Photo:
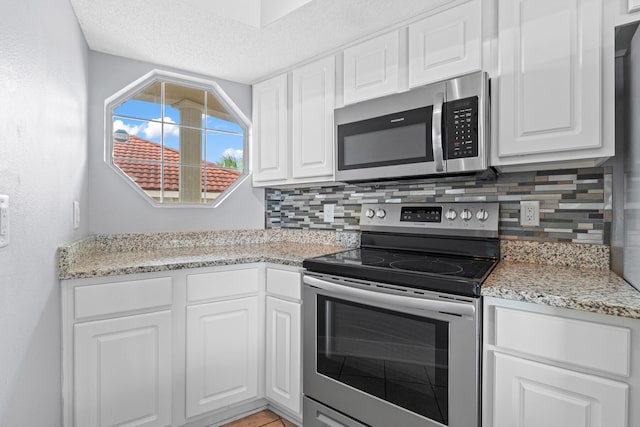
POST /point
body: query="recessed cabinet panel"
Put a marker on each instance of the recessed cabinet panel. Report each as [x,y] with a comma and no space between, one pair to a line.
[123,371]
[283,283]
[120,297]
[371,69]
[222,284]
[446,44]
[532,394]
[313,104]
[590,345]
[270,129]
[283,348]
[222,354]
[550,76]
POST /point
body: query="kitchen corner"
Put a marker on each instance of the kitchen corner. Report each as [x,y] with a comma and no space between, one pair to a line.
[108,255]
[575,276]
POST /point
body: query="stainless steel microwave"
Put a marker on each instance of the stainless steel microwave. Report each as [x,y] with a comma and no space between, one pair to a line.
[441,128]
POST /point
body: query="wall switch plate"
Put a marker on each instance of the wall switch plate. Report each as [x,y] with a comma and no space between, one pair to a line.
[4,221]
[529,213]
[329,211]
[76,215]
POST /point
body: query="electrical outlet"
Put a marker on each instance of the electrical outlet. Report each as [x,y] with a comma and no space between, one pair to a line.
[329,213]
[529,213]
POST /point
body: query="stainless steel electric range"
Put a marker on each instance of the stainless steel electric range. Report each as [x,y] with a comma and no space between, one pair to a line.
[392,330]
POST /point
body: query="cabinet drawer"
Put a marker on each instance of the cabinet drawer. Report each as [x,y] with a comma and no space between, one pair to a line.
[283,283]
[119,297]
[221,284]
[586,344]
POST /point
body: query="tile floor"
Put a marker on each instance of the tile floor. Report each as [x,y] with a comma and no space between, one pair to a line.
[263,418]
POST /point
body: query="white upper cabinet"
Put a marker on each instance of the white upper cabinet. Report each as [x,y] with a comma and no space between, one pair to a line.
[549,91]
[371,68]
[293,126]
[270,130]
[446,44]
[312,119]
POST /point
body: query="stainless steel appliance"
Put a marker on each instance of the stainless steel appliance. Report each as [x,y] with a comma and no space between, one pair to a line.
[625,233]
[441,128]
[392,329]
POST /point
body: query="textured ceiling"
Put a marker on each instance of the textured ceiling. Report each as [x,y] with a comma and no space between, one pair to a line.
[194,36]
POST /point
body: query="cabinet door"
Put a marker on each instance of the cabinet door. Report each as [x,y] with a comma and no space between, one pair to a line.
[222,354]
[371,69]
[550,78]
[446,44]
[531,394]
[123,371]
[313,104]
[270,130]
[283,353]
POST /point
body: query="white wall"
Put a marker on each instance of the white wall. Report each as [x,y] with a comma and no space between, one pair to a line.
[43,169]
[115,207]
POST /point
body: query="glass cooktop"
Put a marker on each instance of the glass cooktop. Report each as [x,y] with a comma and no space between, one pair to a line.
[447,273]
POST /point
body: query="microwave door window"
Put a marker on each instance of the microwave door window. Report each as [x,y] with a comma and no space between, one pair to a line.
[395,139]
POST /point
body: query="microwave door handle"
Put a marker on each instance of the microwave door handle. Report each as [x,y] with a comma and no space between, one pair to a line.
[436,132]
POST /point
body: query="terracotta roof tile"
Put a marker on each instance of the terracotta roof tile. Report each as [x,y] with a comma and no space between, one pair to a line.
[136,156]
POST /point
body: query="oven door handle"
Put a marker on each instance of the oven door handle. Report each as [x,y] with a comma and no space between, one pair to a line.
[446,307]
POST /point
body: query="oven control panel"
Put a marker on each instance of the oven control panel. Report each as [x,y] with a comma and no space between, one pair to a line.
[477,218]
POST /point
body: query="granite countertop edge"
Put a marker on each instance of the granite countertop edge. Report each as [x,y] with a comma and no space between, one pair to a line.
[173,266]
[585,289]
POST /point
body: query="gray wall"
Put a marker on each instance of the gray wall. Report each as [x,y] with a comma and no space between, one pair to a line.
[43,169]
[115,207]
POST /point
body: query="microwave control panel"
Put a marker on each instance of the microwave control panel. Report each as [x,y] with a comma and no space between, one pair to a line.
[461,128]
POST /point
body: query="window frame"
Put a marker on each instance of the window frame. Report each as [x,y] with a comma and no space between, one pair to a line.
[150,78]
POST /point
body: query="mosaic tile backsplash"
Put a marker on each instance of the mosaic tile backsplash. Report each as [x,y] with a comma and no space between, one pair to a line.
[575,204]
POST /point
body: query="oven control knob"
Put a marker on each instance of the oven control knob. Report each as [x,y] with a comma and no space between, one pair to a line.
[466,214]
[370,213]
[381,213]
[451,215]
[482,215]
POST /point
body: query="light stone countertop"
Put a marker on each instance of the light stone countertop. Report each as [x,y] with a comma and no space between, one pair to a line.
[110,255]
[108,264]
[587,289]
[574,276]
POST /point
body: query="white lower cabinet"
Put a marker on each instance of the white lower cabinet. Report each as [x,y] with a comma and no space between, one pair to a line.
[222,354]
[123,371]
[535,394]
[554,367]
[283,344]
[283,353]
[178,348]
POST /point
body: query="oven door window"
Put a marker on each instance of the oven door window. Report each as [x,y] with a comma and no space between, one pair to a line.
[397,357]
[394,139]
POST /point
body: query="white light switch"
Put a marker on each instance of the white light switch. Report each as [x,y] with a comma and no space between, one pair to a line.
[4,221]
[76,215]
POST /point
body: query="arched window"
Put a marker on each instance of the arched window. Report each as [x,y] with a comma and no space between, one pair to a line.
[176,140]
